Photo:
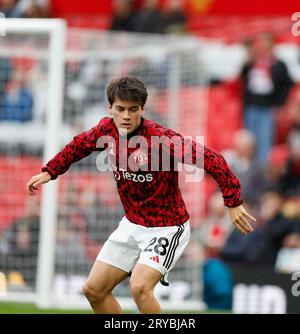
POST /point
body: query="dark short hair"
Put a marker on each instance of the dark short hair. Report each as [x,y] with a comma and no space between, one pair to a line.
[127,89]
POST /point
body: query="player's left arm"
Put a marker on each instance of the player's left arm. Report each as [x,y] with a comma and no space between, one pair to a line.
[216,165]
[191,152]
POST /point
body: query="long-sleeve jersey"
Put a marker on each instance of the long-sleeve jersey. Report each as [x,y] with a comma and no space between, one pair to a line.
[150,195]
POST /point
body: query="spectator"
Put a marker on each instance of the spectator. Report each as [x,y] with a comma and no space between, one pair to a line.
[149,18]
[263,245]
[239,250]
[217,278]
[174,17]
[124,16]
[153,71]
[217,282]
[69,249]
[216,227]
[292,240]
[291,179]
[8,8]
[281,219]
[26,8]
[34,8]
[5,76]
[266,86]
[275,168]
[17,101]
[242,161]
[20,246]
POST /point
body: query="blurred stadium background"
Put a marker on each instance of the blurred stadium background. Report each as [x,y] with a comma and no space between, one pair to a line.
[213,68]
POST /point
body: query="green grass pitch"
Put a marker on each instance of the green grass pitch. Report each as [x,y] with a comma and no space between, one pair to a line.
[26,308]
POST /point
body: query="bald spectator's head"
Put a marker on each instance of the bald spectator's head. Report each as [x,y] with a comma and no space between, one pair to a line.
[175,4]
[122,8]
[244,144]
[150,4]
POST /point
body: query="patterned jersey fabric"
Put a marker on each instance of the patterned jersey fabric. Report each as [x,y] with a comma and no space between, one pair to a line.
[148,187]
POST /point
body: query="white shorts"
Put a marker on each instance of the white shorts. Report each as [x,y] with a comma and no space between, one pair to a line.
[156,247]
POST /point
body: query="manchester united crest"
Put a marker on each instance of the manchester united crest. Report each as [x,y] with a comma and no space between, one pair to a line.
[140,157]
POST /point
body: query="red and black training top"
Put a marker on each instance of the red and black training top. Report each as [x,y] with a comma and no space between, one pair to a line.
[150,198]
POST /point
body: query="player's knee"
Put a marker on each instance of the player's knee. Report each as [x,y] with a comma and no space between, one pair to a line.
[140,290]
[91,294]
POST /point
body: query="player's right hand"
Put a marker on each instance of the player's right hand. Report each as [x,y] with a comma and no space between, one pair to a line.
[35,181]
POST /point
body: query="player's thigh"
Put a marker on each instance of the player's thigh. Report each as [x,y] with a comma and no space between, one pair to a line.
[104,277]
[120,249]
[144,277]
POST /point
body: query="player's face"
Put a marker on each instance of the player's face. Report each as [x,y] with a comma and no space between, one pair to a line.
[126,115]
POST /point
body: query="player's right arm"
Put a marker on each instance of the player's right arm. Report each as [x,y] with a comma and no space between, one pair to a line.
[80,147]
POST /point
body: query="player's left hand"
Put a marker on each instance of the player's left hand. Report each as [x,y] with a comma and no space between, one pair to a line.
[240,219]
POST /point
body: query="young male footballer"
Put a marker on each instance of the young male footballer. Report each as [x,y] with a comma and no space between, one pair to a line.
[155,230]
